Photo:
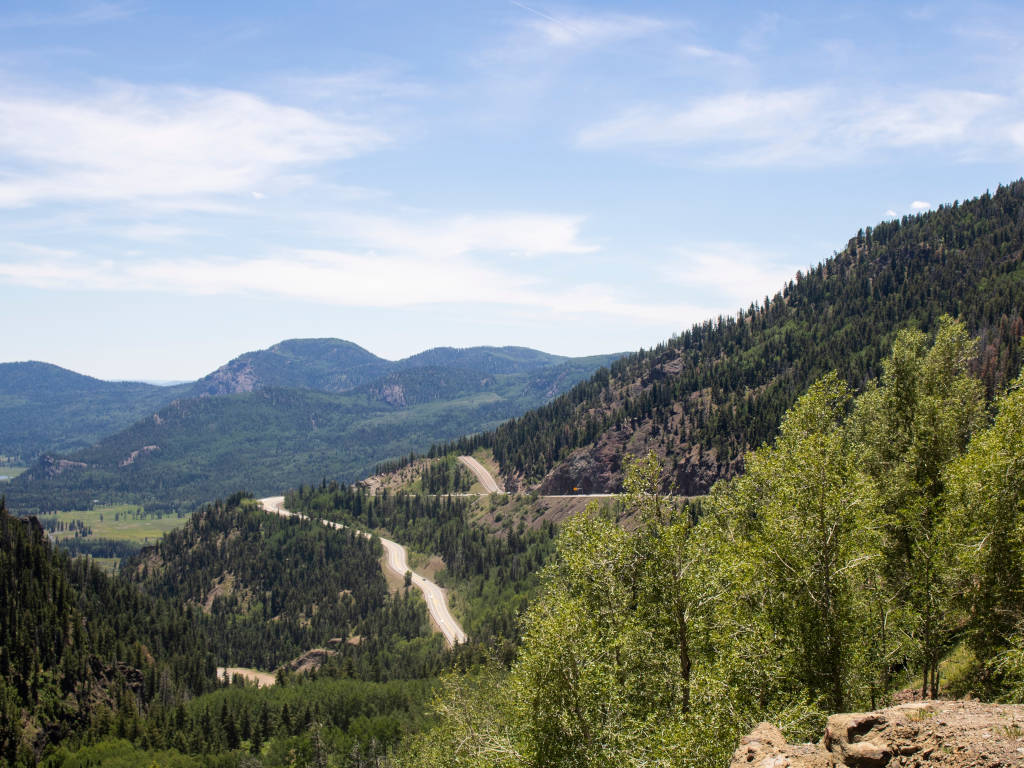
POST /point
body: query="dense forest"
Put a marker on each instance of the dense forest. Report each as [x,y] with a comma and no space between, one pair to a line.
[877,536]
[710,394]
[863,536]
[77,647]
[493,576]
[273,587]
[196,449]
[122,669]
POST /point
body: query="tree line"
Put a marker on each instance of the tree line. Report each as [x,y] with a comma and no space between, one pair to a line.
[721,387]
[878,534]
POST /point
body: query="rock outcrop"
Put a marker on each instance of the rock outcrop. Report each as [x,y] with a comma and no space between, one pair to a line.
[958,734]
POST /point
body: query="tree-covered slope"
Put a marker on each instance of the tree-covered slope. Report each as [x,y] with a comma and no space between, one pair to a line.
[47,408]
[707,396]
[77,645]
[272,588]
[874,546]
[268,440]
[327,365]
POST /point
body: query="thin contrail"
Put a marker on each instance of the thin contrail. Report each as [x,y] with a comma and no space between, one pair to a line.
[543,15]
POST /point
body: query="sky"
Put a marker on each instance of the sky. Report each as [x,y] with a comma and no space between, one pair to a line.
[182,182]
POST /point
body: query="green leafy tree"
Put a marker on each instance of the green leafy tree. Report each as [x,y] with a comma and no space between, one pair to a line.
[986,528]
[813,542]
[910,427]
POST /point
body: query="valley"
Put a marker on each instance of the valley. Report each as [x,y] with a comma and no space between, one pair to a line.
[809,508]
[396,560]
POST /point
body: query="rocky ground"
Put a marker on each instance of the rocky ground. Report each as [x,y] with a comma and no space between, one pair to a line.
[960,734]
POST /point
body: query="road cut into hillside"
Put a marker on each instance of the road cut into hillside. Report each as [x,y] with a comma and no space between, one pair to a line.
[486,479]
[396,559]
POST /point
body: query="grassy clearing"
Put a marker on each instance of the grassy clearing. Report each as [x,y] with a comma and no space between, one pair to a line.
[955,672]
[9,473]
[108,564]
[121,522]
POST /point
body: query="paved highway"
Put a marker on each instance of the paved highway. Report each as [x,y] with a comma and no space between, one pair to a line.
[478,469]
[397,561]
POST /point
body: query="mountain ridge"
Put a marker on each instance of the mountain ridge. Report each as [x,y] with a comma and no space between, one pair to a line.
[710,394]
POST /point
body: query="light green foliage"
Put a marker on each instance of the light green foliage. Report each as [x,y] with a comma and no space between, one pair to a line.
[986,492]
[910,428]
[812,544]
[478,725]
[860,546]
[120,522]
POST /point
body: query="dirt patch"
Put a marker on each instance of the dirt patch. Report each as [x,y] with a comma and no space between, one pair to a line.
[261,679]
[395,581]
[427,567]
[223,586]
[310,661]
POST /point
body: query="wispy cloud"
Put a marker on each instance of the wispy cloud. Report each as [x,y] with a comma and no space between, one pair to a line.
[714,56]
[508,234]
[752,271]
[96,13]
[588,30]
[920,205]
[178,147]
[813,125]
[336,278]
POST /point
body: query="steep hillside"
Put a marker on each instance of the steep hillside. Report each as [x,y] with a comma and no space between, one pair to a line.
[265,441]
[47,408]
[327,365]
[272,588]
[710,394]
[77,646]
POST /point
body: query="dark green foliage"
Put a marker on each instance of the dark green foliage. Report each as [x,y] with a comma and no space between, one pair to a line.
[494,575]
[719,389]
[353,722]
[47,408]
[276,587]
[196,450]
[75,643]
[446,475]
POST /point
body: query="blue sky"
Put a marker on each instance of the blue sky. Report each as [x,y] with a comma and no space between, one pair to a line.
[182,182]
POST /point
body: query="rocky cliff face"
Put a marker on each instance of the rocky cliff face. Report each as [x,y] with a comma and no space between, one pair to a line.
[958,734]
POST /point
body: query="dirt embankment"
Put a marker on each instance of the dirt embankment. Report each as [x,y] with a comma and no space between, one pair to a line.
[952,734]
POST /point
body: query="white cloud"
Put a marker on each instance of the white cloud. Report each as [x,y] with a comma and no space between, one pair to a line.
[338,278]
[920,205]
[719,58]
[891,214]
[578,30]
[92,14]
[176,147]
[811,126]
[511,234]
[728,274]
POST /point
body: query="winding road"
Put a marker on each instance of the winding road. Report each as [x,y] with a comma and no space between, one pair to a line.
[397,561]
[486,480]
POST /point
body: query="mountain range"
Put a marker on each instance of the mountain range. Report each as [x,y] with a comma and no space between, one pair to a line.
[267,420]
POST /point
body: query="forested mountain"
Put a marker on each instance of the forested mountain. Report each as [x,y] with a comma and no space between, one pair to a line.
[874,546]
[707,396]
[121,670]
[326,365]
[272,588]
[47,408]
[78,647]
[270,438]
[335,365]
